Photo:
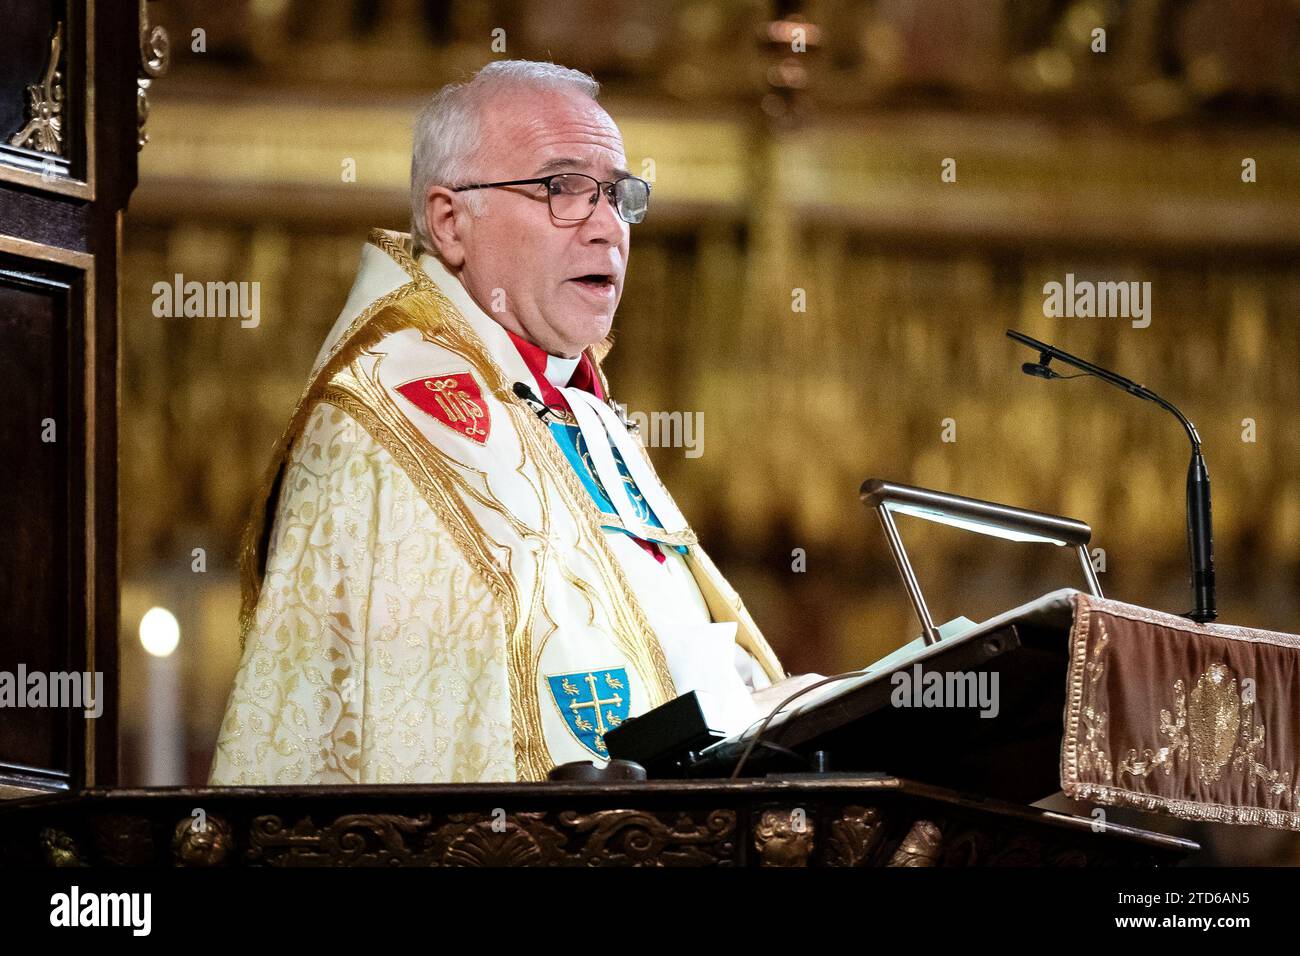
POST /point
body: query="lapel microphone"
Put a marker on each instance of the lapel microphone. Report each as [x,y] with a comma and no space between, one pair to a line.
[528,395]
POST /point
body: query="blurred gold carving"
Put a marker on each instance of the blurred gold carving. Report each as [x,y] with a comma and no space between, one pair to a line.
[44,129]
[205,844]
[155,51]
[784,837]
[921,846]
[59,848]
[854,837]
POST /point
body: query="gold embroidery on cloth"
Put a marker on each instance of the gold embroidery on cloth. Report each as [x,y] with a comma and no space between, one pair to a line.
[1205,729]
[1173,726]
[1218,717]
[1251,740]
[632,628]
[1213,719]
[747,633]
[1095,758]
[445,491]
[360,669]
[252,548]
[409,447]
[422,306]
[441,487]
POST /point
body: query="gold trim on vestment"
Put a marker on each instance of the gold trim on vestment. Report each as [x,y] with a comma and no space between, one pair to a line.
[253,544]
[438,483]
[723,602]
[725,605]
[539,444]
[421,305]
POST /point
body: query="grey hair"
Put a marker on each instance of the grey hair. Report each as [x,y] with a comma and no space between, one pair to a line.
[446,133]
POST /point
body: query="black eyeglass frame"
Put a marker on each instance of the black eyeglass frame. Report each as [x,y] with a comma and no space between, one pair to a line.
[546,181]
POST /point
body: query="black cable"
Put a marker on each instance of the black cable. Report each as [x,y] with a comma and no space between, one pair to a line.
[781,706]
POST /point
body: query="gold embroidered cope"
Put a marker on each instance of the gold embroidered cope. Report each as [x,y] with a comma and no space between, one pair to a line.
[408,586]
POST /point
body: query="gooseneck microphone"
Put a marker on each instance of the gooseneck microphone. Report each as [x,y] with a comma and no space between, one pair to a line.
[1200,531]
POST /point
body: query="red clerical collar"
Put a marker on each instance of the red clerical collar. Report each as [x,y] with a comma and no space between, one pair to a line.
[584,376]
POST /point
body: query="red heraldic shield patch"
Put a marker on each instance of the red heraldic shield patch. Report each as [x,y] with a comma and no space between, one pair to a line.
[455,400]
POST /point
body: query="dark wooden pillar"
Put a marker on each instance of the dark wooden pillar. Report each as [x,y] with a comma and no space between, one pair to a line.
[69,135]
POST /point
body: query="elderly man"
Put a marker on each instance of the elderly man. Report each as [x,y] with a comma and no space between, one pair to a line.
[466,569]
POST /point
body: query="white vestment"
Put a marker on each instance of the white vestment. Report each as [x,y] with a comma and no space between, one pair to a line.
[431,595]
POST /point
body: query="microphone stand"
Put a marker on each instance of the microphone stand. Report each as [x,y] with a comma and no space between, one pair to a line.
[1200,532]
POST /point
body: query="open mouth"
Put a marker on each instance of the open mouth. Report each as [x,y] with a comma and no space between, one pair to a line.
[595,281]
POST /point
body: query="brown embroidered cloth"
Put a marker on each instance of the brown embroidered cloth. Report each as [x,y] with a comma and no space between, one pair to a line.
[1197,720]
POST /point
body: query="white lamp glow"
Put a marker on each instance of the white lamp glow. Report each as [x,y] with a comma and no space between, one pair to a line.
[970,524]
[160,632]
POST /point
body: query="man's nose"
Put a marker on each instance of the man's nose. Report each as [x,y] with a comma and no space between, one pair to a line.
[604,223]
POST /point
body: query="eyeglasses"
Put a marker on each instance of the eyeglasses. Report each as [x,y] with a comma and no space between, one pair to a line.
[573,196]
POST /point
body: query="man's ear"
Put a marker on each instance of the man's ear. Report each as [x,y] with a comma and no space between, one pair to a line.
[444,226]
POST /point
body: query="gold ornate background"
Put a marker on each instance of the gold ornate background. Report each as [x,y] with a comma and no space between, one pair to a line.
[775,171]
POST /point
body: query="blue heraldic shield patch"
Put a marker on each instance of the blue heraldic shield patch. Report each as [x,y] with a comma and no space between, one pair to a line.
[592,703]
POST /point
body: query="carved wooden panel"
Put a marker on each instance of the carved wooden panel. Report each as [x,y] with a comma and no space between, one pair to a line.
[833,821]
[69,133]
[41,426]
[47,57]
